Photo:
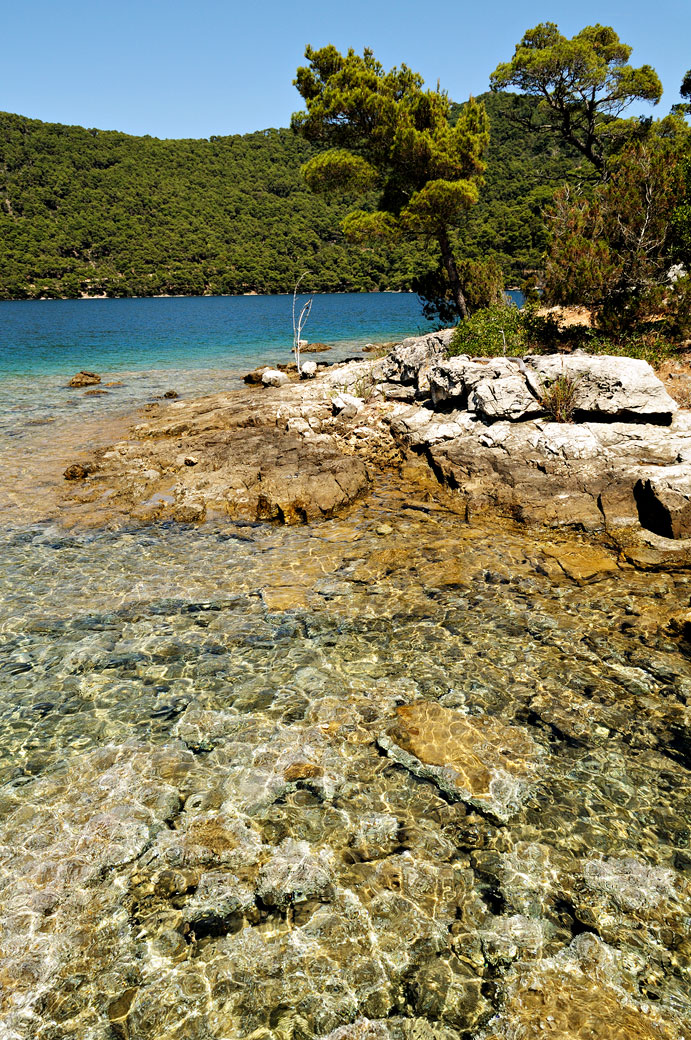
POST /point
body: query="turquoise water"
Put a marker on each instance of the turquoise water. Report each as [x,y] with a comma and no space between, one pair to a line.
[61,336]
[194,345]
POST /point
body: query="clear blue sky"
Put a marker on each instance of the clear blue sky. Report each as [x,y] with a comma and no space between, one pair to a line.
[174,68]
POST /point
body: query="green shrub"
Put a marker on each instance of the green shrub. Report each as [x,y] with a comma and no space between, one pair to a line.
[491,332]
[558,397]
[504,330]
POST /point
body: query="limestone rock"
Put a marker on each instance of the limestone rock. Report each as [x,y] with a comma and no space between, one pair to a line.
[505,398]
[609,387]
[412,360]
[346,405]
[308,369]
[84,378]
[573,475]
[472,758]
[664,502]
[272,377]
[455,379]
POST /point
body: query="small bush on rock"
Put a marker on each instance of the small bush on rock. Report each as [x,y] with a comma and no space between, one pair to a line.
[492,332]
[558,398]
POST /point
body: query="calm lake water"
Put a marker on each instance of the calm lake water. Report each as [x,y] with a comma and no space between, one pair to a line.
[201,837]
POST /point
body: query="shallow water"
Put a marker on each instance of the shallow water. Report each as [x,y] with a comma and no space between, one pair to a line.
[213,821]
[201,836]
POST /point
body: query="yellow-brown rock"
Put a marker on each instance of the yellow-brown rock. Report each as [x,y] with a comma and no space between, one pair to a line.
[474,758]
[584,565]
[575,1006]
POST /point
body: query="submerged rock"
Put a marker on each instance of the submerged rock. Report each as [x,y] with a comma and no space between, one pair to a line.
[579,995]
[361,1029]
[295,873]
[472,758]
[84,378]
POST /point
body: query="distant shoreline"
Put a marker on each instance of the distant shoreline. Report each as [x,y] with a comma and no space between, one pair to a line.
[212,296]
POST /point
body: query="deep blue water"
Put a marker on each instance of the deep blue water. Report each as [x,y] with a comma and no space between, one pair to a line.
[61,336]
[193,345]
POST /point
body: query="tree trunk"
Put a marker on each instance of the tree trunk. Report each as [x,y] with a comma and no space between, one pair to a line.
[452,271]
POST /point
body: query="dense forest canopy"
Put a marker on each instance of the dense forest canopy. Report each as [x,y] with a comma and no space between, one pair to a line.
[92,211]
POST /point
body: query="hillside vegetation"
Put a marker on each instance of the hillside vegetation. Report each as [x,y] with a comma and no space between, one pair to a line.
[93,211]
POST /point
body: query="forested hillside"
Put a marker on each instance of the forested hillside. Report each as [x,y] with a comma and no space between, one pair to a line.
[103,212]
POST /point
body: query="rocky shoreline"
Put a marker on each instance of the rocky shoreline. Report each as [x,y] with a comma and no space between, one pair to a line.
[474,432]
[400,776]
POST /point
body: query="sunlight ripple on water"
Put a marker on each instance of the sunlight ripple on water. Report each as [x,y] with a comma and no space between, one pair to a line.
[280,783]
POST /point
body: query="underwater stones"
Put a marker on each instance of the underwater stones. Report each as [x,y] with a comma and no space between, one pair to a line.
[376,836]
[584,565]
[301,770]
[360,1029]
[472,758]
[218,895]
[295,872]
[580,994]
[631,885]
[84,378]
[64,855]
[309,979]
[286,597]
[509,938]
[205,838]
[202,729]
[627,901]
[530,876]
[448,991]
